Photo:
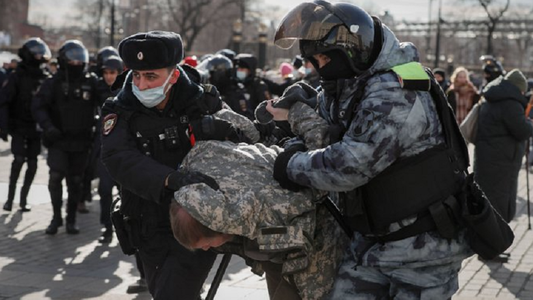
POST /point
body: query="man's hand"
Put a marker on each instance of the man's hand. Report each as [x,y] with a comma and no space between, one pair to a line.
[278,110]
[280,167]
[52,134]
[179,179]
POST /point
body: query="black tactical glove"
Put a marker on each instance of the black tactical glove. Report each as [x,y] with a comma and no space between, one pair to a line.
[298,92]
[52,135]
[211,128]
[179,179]
[3,135]
[280,167]
[329,87]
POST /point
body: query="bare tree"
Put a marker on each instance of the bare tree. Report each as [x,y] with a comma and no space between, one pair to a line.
[192,16]
[494,16]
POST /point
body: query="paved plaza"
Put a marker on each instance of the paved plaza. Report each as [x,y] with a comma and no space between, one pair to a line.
[34,265]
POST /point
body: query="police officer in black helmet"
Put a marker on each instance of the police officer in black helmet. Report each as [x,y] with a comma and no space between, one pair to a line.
[147,131]
[390,123]
[16,117]
[65,108]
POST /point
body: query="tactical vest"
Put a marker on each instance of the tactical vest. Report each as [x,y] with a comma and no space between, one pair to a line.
[418,186]
[27,87]
[75,107]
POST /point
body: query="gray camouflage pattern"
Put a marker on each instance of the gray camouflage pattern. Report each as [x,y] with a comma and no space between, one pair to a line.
[389,123]
[250,203]
[308,125]
[241,122]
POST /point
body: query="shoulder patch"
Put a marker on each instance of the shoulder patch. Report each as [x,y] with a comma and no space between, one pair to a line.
[109,123]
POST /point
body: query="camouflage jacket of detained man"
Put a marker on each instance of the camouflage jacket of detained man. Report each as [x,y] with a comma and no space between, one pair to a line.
[288,226]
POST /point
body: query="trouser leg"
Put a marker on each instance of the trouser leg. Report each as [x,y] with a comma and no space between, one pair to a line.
[56,194]
[28,180]
[16,166]
[74,188]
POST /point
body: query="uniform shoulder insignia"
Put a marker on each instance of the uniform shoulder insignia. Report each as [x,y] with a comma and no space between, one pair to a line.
[109,123]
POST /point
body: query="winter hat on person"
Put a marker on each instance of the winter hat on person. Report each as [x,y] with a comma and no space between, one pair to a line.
[151,50]
[285,69]
[440,72]
[517,79]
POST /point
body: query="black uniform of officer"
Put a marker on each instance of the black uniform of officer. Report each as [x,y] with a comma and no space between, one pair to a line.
[16,117]
[255,88]
[65,107]
[145,136]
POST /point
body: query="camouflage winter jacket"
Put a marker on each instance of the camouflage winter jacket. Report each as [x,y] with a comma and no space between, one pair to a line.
[251,203]
[388,123]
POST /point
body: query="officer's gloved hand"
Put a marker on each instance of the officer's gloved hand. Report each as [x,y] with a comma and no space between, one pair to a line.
[52,135]
[280,166]
[3,135]
[211,128]
[179,179]
[298,92]
[329,87]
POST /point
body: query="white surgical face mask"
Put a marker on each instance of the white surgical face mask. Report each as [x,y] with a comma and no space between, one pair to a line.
[152,97]
[241,75]
[308,71]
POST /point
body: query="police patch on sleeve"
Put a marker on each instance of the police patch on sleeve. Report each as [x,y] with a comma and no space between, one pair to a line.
[109,123]
[364,120]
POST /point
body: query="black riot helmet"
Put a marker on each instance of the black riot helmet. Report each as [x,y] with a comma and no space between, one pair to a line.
[492,68]
[322,27]
[73,52]
[34,52]
[113,62]
[227,53]
[73,58]
[219,68]
[103,54]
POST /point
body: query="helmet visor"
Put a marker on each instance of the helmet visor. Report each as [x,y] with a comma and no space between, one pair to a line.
[77,55]
[307,21]
[40,51]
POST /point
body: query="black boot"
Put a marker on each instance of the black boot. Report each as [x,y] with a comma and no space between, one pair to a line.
[72,228]
[107,236]
[54,225]
[24,207]
[28,179]
[16,166]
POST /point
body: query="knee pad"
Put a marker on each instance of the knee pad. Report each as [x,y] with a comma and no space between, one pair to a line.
[55,179]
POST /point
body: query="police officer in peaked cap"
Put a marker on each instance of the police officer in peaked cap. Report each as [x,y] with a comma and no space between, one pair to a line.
[147,130]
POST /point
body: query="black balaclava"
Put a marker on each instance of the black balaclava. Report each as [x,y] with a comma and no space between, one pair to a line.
[337,68]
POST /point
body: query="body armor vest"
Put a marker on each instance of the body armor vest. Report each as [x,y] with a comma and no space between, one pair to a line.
[27,85]
[415,186]
[75,108]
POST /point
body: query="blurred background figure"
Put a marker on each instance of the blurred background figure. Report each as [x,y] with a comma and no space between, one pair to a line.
[462,94]
[191,61]
[65,107]
[491,67]
[440,76]
[16,117]
[503,129]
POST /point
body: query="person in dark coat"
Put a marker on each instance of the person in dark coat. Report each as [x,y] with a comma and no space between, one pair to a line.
[64,107]
[501,141]
[148,128]
[17,120]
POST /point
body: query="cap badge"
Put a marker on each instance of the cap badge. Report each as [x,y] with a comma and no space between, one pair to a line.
[140,56]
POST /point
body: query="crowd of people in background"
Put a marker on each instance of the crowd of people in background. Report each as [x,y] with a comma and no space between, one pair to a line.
[56,102]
